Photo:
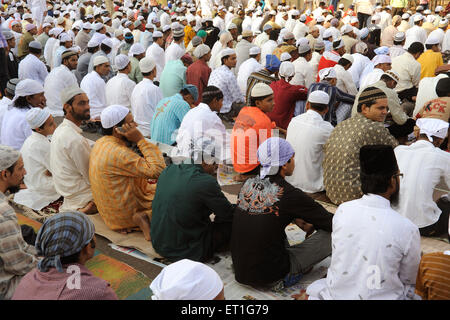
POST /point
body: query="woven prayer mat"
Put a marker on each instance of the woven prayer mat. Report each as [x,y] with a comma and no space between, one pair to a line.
[127,283]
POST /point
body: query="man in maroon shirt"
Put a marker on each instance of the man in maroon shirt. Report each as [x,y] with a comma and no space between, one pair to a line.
[285,95]
[198,72]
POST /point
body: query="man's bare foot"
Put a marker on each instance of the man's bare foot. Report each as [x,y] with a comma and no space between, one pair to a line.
[90,208]
[141,219]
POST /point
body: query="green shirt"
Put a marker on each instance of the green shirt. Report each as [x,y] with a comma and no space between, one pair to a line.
[185,198]
[25,40]
[135,73]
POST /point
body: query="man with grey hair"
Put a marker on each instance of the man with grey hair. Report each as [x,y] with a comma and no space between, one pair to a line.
[17,257]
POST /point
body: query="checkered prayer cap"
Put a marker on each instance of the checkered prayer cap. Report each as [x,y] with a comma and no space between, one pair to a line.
[61,236]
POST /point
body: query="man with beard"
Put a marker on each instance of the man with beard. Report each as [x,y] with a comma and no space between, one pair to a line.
[424,165]
[384,262]
[122,181]
[69,154]
[16,256]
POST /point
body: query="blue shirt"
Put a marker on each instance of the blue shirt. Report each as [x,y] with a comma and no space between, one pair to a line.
[172,78]
[167,118]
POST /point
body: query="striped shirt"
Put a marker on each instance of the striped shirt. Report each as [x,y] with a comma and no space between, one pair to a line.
[336,96]
[262,76]
[167,118]
[17,257]
[119,177]
[433,278]
[224,79]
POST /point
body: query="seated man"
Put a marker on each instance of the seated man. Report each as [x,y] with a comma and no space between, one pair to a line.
[119,176]
[66,241]
[433,279]
[187,280]
[181,227]
[252,128]
[17,257]
[307,134]
[40,191]
[69,154]
[376,251]
[170,112]
[267,203]
[423,165]
[341,151]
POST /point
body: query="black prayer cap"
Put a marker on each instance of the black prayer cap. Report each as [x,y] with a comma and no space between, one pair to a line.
[378,159]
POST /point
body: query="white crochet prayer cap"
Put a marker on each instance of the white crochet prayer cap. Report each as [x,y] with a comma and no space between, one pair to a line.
[112,115]
[36,117]
[319,96]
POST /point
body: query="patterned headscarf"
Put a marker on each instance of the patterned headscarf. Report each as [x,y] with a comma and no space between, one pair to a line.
[273,153]
[61,236]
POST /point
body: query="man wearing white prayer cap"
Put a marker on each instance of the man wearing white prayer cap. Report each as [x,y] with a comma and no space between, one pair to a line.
[431,59]
[106,47]
[285,56]
[423,165]
[136,53]
[66,42]
[115,168]
[31,67]
[85,58]
[416,33]
[15,129]
[40,191]
[248,67]
[381,63]
[304,74]
[187,280]
[25,39]
[198,72]
[145,96]
[69,154]
[83,37]
[120,87]
[12,176]
[344,77]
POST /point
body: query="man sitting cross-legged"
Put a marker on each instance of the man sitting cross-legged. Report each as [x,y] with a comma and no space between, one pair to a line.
[119,176]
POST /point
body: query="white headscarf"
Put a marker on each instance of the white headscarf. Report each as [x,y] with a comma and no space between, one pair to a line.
[432,127]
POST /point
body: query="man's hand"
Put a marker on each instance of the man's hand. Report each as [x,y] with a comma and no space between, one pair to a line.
[130,132]
[307,227]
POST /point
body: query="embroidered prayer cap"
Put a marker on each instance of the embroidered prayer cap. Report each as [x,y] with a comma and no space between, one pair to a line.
[192,90]
[272,63]
[327,33]
[8,157]
[370,94]
[254,51]
[361,47]
[11,86]
[92,43]
[68,53]
[186,280]
[443,23]
[381,58]
[35,45]
[122,61]
[165,28]
[327,73]
[432,127]
[136,49]
[112,115]
[378,160]
[30,26]
[227,52]
[36,117]
[303,18]
[201,50]
[147,64]
[393,74]
[64,37]
[27,87]
[288,35]
[438,9]
[319,96]
[8,35]
[418,18]
[178,32]
[348,57]
[399,36]
[272,154]
[287,69]
[346,29]
[107,42]
[98,60]
[62,235]
[69,93]
[320,19]
[303,46]
[405,16]
[261,90]
[285,57]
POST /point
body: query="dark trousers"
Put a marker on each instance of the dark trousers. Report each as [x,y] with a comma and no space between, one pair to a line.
[408,94]
[3,71]
[362,18]
[440,228]
[221,237]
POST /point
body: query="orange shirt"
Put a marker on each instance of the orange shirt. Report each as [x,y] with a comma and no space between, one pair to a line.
[252,127]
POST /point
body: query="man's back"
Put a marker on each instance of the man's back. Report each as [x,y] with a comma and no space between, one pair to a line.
[433,278]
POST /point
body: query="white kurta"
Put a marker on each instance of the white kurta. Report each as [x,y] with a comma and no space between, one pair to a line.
[48,50]
[356,70]
[408,70]
[157,53]
[174,52]
[15,128]
[446,42]
[38,7]
[414,34]
[423,166]
[345,80]
[304,73]
[371,77]
[224,79]
[314,62]
[56,82]
[4,104]
[95,88]
[32,68]
[218,22]
[202,123]
[376,254]
[40,190]
[247,68]
[69,164]
[307,134]
[300,30]
[144,100]
[118,90]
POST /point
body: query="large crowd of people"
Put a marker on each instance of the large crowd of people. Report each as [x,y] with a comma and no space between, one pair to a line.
[328,103]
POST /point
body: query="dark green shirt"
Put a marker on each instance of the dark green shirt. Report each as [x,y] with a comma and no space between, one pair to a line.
[185,198]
